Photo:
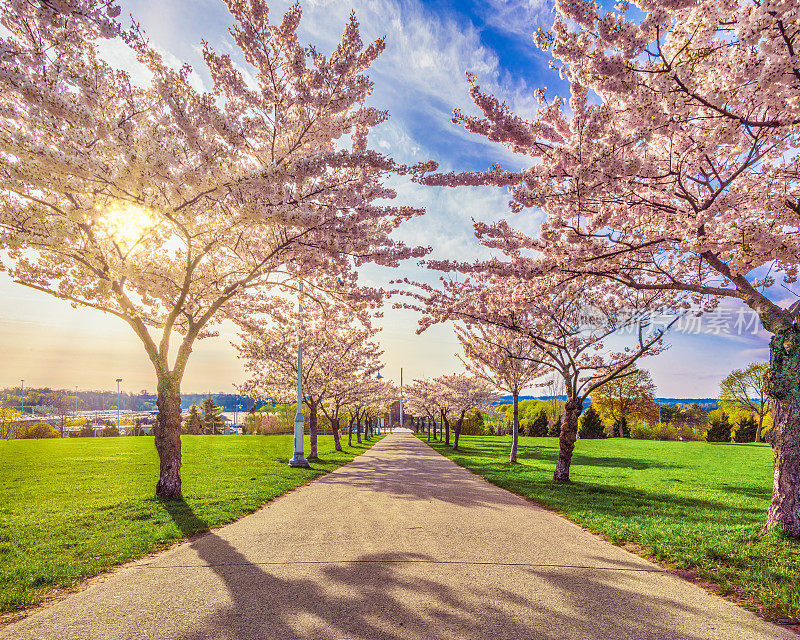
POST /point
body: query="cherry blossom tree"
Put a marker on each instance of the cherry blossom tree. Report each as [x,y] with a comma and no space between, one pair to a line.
[339,355]
[708,94]
[368,401]
[505,359]
[569,323]
[684,179]
[455,395]
[162,205]
[421,401]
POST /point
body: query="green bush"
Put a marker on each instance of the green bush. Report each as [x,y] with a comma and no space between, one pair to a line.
[538,428]
[87,431]
[642,431]
[688,432]
[554,430]
[720,428]
[110,431]
[591,425]
[38,430]
[665,431]
[746,431]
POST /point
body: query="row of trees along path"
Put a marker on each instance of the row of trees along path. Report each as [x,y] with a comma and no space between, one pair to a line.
[340,361]
[164,205]
[679,186]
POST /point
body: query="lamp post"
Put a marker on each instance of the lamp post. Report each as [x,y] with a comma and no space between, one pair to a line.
[118,396]
[236,416]
[22,396]
[379,421]
[401,397]
[299,460]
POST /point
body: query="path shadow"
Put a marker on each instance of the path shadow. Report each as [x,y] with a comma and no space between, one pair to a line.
[187,521]
[396,596]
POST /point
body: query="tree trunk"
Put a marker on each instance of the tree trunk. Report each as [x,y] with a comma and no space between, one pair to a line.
[358,430]
[446,424]
[566,441]
[167,432]
[337,441]
[760,425]
[514,428]
[312,431]
[782,385]
[350,434]
[457,430]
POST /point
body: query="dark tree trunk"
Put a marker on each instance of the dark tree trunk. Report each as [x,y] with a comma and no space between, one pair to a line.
[358,430]
[782,385]
[312,431]
[566,441]
[514,428]
[457,430]
[337,441]
[167,432]
[350,434]
[446,424]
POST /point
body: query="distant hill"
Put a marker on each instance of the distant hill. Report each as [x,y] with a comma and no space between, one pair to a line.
[707,404]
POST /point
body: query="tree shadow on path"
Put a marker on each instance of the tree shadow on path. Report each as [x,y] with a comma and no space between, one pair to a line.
[398,596]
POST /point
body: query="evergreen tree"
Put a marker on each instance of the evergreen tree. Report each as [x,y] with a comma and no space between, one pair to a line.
[591,425]
[554,430]
[538,427]
[212,420]
[194,423]
[746,431]
[720,429]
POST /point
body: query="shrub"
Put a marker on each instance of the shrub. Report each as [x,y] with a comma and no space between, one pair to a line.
[87,431]
[746,431]
[665,431]
[554,430]
[38,430]
[719,429]
[265,424]
[591,425]
[110,431]
[642,431]
[473,424]
[689,432]
[538,428]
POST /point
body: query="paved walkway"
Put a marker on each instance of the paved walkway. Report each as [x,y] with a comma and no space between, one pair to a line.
[401,543]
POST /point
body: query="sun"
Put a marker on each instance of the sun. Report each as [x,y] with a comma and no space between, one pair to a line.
[128,224]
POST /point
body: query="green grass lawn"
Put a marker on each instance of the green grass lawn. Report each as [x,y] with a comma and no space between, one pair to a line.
[692,504]
[72,508]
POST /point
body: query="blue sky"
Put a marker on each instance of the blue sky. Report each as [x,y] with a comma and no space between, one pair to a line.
[419,79]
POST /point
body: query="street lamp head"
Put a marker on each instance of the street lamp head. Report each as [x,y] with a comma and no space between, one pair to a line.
[379,376]
[119,379]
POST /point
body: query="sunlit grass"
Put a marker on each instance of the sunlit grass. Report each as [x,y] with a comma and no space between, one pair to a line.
[692,504]
[72,508]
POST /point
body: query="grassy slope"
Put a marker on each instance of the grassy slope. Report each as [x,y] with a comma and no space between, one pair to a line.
[692,504]
[70,509]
